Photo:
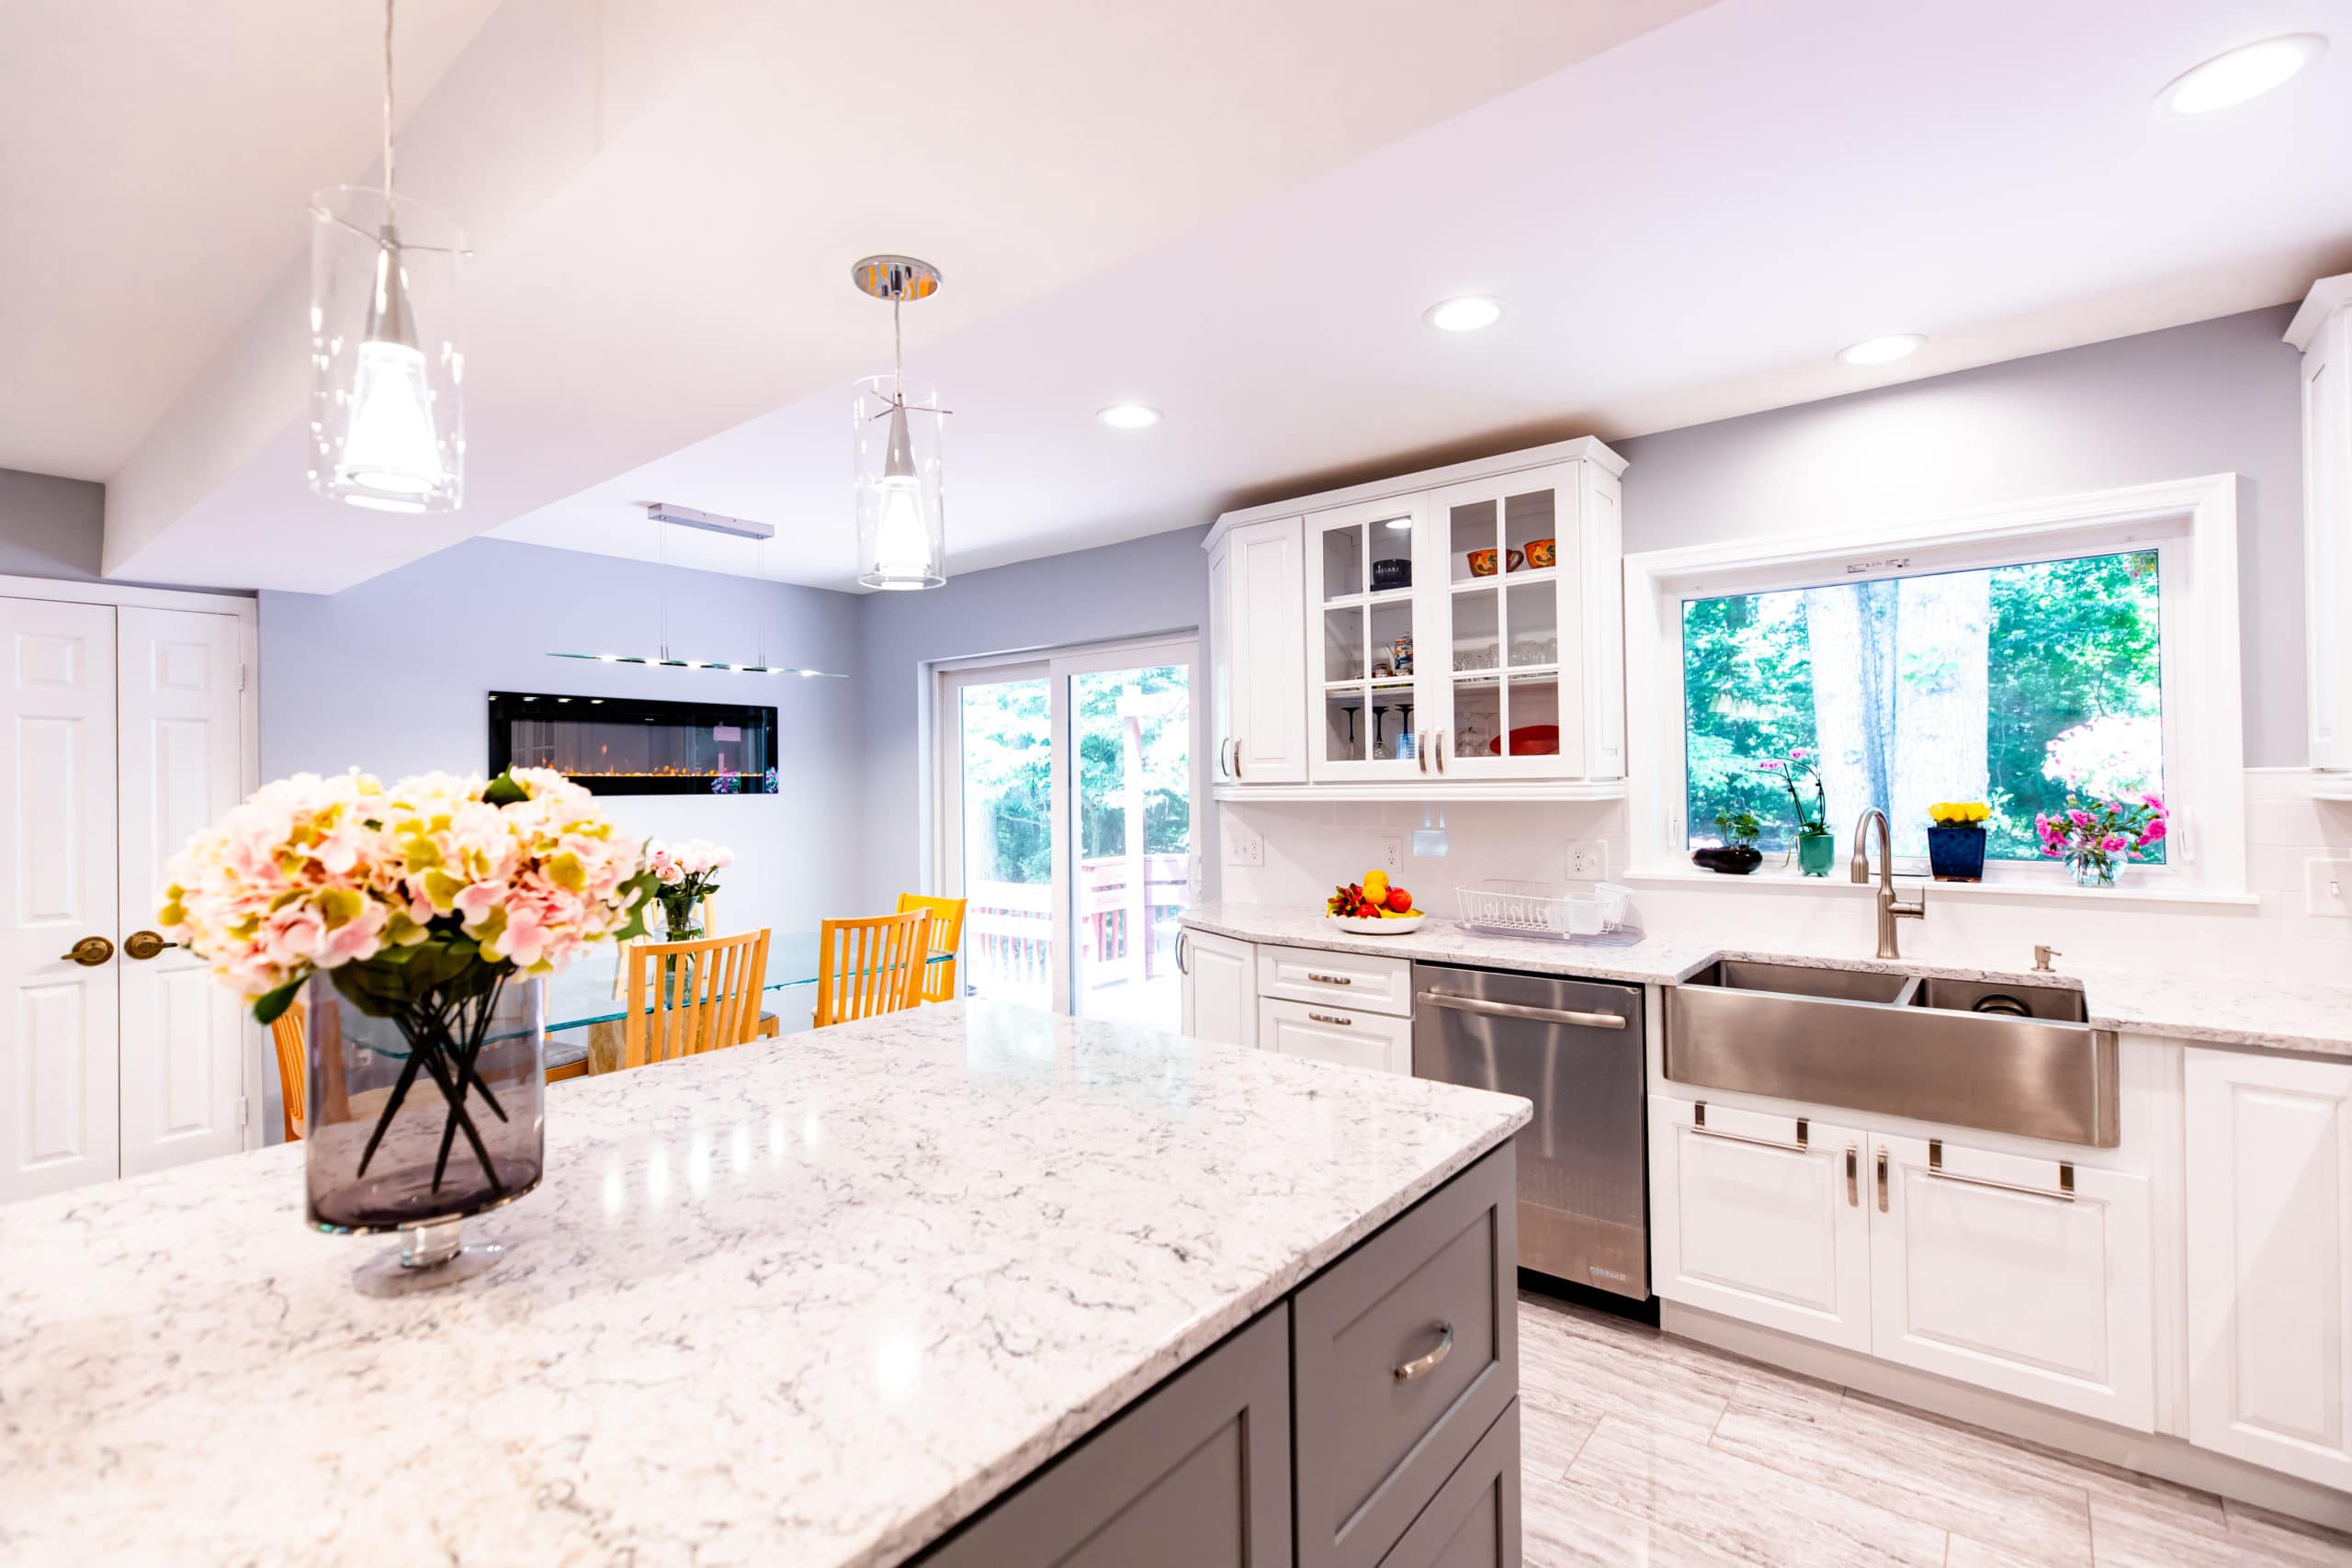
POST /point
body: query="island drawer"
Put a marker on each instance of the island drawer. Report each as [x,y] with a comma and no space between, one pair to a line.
[1404,1354]
[1195,1474]
[1357,981]
[1473,1522]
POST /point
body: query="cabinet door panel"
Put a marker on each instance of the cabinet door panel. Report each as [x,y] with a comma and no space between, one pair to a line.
[1473,1520]
[1985,1271]
[1264,619]
[2269,1186]
[1367,1040]
[1220,989]
[1746,1224]
[1195,1475]
[1364,690]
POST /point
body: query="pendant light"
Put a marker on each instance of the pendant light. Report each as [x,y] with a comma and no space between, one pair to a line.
[387,415]
[901,533]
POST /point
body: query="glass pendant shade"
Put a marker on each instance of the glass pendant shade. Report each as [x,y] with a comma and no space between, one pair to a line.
[386,404]
[901,532]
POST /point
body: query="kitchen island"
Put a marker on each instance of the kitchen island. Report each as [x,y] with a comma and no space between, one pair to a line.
[811,1301]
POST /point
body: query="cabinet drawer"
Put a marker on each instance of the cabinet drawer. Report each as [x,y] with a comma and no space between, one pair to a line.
[1346,980]
[1403,1354]
[1196,1474]
[1473,1522]
[1372,1040]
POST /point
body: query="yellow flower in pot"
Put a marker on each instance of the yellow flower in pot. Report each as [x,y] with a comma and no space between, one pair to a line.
[1956,840]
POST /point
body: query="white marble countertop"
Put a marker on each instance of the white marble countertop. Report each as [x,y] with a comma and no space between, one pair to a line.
[808,1301]
[2244,1013]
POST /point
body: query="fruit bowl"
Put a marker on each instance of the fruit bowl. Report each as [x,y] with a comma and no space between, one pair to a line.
[1387,925]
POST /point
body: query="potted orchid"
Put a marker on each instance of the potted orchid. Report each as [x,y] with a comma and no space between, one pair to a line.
[2096,837]
[1816,846]
[414,923]
[684,874]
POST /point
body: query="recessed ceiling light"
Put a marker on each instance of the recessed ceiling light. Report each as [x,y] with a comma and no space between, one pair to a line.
[2244,72]
[1466,313]
[1881,350]
[1128,417]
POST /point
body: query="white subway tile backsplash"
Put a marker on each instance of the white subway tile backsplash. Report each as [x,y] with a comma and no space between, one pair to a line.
[1312,845]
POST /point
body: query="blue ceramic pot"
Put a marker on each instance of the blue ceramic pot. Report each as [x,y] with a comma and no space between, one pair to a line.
[1956,854]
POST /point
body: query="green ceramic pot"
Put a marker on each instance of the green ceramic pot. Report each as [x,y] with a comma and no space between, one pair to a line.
[1817,853]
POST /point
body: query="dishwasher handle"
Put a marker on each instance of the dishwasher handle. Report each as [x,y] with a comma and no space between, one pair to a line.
[1515,1010]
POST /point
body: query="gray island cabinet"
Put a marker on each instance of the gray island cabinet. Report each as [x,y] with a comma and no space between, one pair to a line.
[969,1284]
[1369,1418]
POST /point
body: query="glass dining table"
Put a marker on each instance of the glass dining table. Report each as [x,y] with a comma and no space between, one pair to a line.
[583,1014]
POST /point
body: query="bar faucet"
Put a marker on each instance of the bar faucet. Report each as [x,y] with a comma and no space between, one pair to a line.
[1890,908]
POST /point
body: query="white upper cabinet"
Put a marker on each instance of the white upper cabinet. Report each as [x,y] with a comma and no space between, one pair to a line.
[1257,654]
[1462,629]
[2322,330]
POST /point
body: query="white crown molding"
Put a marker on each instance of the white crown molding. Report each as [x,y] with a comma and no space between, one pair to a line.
[1584,448]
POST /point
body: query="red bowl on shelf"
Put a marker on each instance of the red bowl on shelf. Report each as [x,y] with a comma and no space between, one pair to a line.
[1529,741]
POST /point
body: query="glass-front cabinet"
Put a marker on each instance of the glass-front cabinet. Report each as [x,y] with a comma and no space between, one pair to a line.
[1365,619]
[1468,629]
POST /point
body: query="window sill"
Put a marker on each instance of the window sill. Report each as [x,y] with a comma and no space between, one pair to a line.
[1776,881]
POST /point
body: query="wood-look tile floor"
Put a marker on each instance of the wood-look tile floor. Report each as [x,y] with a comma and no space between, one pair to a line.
[1646,1451]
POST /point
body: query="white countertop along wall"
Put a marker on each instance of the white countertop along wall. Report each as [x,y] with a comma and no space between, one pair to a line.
[805,1302]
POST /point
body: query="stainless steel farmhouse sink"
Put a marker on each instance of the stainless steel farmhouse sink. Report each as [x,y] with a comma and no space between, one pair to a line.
[1998,1055]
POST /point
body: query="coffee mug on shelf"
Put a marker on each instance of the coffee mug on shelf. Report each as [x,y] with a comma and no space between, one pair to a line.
[1482,562]
[1541,553]
[1388,574]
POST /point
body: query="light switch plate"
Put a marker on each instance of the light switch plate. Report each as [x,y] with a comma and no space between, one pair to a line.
[2327,887]
[1244,846]
[1587,860]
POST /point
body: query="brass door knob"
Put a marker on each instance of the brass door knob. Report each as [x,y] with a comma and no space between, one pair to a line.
[90,951]
[145,945]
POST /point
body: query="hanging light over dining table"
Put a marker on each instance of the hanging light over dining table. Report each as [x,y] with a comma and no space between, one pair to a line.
[386,404]
[901,532]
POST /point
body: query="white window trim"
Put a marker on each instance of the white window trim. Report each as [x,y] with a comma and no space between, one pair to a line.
[2193,525]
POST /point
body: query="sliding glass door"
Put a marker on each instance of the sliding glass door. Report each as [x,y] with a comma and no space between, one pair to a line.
[1068,796]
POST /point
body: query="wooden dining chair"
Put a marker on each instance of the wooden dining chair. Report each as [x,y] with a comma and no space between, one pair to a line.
[870,967]
[938,984]
[286,1032]
[685,998]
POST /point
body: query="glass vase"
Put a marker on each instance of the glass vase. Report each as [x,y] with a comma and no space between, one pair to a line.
[2092,870]
[420,1120]
[1817,853]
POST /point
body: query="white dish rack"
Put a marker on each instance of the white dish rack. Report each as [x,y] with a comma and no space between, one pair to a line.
[1544,910]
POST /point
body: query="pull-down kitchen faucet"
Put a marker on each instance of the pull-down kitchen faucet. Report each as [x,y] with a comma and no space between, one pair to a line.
[1890,908]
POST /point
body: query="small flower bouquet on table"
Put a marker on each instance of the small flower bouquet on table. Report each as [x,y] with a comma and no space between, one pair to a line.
[1956,840]
[2096,837]
[420,917]
[684,874]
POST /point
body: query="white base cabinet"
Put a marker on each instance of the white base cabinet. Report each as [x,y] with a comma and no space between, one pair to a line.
[1748,1221]
[2269,1211]
[1970,1264]
[1351,1038]
[1985,1269]
[1219,988]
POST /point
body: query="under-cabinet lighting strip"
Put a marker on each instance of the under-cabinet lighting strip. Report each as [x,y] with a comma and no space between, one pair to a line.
[702,664]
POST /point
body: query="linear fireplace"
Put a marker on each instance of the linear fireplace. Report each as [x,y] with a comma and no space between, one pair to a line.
[631,746]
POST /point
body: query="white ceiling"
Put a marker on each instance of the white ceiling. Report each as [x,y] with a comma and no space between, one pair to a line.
[158,156]
[665,196]
[1686,228]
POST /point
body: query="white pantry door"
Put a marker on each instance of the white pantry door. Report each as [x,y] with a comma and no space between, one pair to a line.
[58,1031]
[183,1036]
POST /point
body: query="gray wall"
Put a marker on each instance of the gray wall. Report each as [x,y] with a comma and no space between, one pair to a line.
[2210,397]
[1145,586]
[391,675]
[51,527]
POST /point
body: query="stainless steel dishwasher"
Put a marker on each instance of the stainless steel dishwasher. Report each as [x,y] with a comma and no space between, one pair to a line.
[1574,1047]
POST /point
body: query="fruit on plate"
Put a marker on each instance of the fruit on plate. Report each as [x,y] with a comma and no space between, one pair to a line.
[1373,898]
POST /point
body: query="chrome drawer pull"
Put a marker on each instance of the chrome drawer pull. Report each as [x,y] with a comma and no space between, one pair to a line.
[1514,1009]
[1332,1017]
[1329,979]
[2065,1193]
[1802,1146]
[1419,1364]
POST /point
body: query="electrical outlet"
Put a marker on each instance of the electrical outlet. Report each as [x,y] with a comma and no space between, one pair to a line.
[1392,851]
[1244,846]
[1587,859]
[2327,887]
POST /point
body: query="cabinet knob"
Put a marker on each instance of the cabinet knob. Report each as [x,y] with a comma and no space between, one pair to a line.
[90,951]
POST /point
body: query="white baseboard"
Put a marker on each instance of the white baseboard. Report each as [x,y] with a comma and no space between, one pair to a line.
[2166,1458]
